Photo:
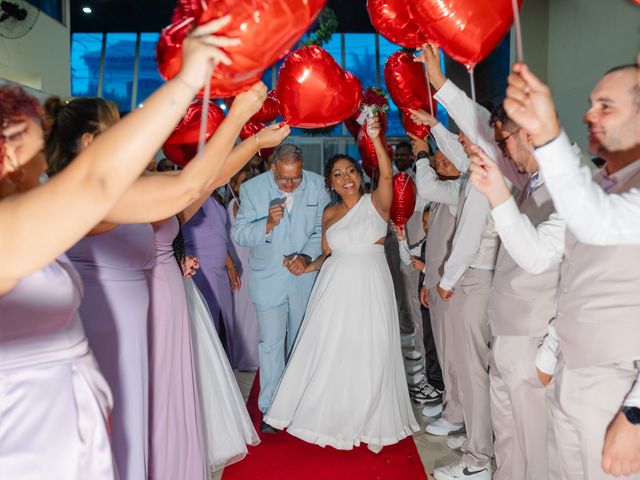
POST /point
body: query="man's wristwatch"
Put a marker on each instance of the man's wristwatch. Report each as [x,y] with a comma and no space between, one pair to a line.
[632,414]
[422,154]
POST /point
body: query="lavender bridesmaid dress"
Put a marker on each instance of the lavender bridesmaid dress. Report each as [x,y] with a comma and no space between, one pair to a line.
[114,313]
[176,448]
[206,237]
[54,402]
[246,328]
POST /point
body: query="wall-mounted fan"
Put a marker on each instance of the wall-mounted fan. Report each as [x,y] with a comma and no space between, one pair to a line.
[17,18]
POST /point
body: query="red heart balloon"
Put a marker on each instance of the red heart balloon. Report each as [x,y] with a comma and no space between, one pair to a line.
[250,129]
[394,21]
[314,91]
[182,144]
[269,111]
[365,144]
[467,30]
[404,199]
[417,129]
[406,81]
[267,29]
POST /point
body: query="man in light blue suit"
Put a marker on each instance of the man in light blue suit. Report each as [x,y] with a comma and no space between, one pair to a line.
[280,219]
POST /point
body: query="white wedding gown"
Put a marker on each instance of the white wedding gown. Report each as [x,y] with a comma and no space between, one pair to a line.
[227,428]
[345,382]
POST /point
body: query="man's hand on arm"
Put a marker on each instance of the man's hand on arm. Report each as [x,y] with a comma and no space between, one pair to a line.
[296,265]
[430,56]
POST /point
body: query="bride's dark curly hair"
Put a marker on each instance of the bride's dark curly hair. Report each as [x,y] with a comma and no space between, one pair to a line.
[328,169]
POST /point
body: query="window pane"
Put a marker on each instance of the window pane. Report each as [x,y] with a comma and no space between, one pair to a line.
[334,47]
[86,49]
[393,115]
[360,58]
[118,69]
[149,79]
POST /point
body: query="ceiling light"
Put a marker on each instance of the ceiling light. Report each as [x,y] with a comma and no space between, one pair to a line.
[86,9]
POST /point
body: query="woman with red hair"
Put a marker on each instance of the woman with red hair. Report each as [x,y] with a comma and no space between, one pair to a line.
[54,403]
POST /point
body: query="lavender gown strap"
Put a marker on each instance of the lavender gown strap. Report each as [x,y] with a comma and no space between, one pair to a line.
[114,313]
[54,402]
[176,447]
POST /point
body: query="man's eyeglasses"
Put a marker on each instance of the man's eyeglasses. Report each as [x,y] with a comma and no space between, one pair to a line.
[503,143]
[288,180]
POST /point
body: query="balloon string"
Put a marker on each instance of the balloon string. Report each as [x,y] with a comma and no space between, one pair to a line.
[205,109]
[518,29]
[430,99]
[472,79]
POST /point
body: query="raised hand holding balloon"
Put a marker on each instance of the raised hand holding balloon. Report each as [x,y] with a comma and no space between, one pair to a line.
[408,88]
[314,91]
[267,30]
[253,128]
[467,30]
[374,103]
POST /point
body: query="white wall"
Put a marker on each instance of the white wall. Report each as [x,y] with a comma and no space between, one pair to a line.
[41,58]
[572,43]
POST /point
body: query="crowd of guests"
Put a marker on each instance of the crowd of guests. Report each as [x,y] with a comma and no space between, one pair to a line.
[128,298]
[528,282]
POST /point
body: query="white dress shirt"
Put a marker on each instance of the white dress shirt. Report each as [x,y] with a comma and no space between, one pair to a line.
[594,216]
[430,188]
[449,145]
[474,224]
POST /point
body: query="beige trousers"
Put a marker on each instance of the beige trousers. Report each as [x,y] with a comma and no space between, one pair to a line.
[584,403]
[411,280]
[473,338]
[519,410]
[442,327]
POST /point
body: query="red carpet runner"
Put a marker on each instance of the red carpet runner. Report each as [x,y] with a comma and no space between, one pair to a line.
[281,456]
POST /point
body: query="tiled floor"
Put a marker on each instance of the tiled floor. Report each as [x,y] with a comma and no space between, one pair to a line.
[433,450]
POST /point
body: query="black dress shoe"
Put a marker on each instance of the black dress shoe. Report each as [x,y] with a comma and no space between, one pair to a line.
[266,428]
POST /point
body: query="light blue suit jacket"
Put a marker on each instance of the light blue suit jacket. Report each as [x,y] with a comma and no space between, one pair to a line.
[299,232]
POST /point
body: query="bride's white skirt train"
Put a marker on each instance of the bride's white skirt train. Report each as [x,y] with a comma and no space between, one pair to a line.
[227,428]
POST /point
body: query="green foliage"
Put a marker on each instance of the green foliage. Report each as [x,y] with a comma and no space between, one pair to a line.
[327,26]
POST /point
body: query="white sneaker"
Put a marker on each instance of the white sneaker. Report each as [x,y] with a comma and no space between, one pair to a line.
[460,470]
[442,428]
[432,410]
[413,369]
[416,379]
[408,341]
[412,355]
[455,442]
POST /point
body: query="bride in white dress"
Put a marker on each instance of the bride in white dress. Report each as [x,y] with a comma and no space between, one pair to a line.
[345,382]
